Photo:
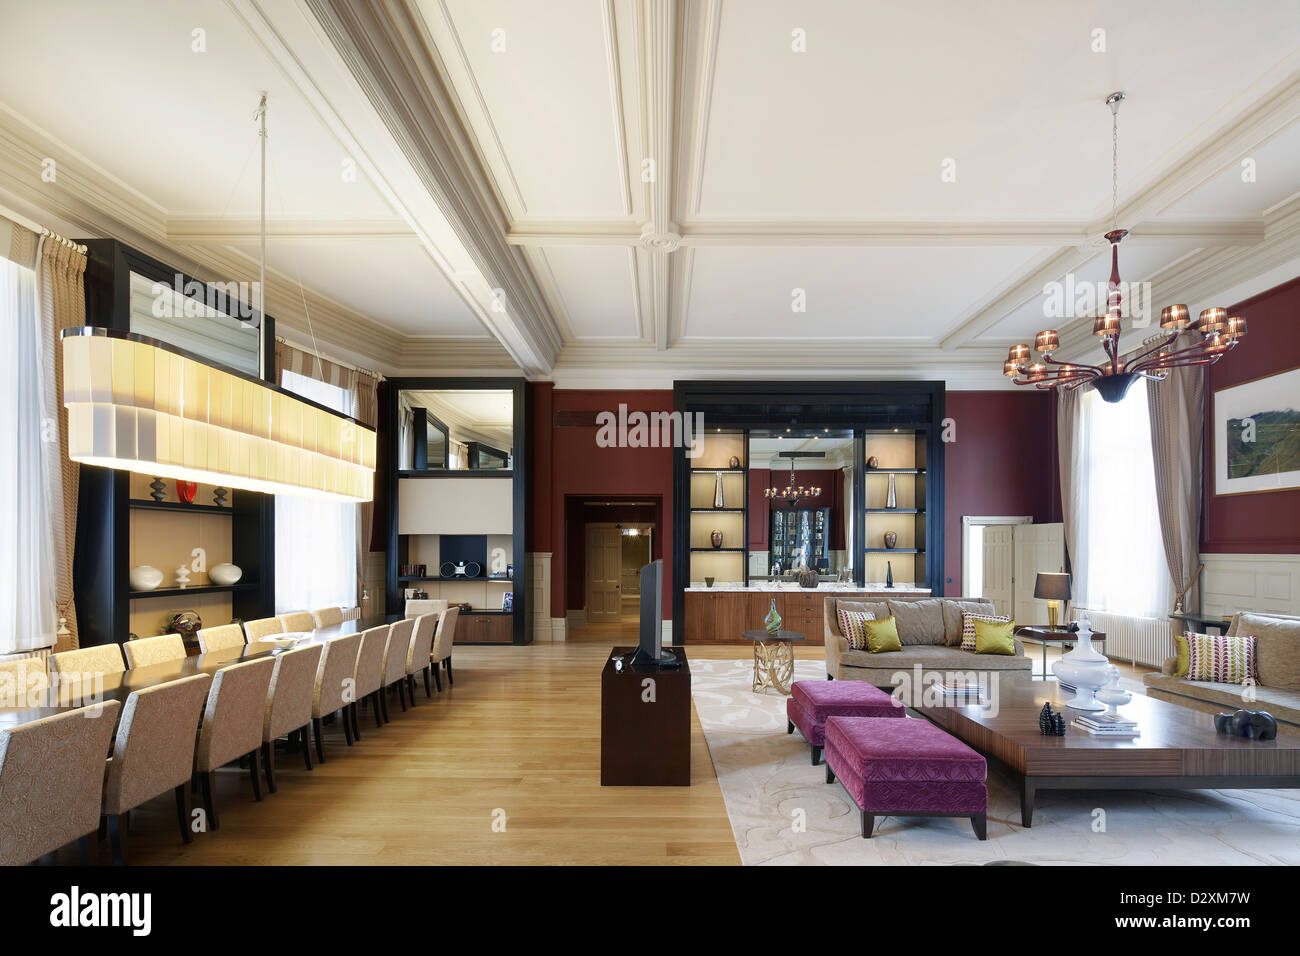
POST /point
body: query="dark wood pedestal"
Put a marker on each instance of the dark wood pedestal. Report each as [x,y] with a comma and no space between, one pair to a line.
[645,723]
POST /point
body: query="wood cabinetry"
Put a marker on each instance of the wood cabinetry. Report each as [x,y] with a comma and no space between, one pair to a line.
[484,628]
[722,617]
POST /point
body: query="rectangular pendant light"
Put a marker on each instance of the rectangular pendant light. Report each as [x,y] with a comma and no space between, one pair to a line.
[140,405]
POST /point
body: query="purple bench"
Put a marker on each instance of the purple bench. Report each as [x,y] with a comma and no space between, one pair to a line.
[812,701]
[906,768]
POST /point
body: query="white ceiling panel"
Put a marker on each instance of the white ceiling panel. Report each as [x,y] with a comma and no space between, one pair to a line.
[859,125]
[911,293]
[1247,192]
[598,289]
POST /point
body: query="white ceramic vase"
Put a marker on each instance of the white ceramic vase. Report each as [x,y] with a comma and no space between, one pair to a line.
[225,574]
[1087,669]
[145,578]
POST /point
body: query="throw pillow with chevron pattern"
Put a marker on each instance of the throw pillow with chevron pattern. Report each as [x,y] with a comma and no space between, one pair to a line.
[968,627]
[851,627]
[1221,659]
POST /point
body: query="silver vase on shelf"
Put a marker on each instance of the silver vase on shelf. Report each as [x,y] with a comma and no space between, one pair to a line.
[717,489]
[891,499]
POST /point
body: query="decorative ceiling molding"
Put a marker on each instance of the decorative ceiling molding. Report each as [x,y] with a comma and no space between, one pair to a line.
[659,236]
[201,230]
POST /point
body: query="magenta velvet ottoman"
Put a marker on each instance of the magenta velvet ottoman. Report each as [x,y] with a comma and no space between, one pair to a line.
[812,701]
[906,768]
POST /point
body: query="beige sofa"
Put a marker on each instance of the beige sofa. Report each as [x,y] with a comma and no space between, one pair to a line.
[930,632]
[1277,662]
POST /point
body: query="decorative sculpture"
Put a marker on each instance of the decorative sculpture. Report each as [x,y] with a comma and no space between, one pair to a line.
[1251,724]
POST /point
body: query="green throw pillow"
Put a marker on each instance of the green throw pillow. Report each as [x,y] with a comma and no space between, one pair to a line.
[882,636]
[1180,648]
[995,637]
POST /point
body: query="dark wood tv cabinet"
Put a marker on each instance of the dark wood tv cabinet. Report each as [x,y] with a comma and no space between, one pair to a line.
[645,728]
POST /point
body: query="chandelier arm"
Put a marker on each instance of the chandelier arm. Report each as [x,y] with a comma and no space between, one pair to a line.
[1136,361]
[1078,365]
[1192,362]
[1169,358]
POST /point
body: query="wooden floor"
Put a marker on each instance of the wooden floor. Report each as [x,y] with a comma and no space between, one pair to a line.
[519,733]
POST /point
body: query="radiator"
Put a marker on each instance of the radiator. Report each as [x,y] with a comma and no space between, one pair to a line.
[1138,640]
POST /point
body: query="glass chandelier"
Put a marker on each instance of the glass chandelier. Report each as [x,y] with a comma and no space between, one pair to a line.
[1218,332]
[791,494]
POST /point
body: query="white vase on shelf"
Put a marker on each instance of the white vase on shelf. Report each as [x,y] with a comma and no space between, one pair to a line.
[1087,669]
[225,574]
[145,578]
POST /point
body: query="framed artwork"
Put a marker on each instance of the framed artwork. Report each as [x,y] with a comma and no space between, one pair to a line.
[1256,432]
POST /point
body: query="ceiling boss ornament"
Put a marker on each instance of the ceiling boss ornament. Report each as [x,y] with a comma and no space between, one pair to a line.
[1219,333]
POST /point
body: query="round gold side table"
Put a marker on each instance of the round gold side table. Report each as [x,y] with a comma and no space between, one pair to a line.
[773,659]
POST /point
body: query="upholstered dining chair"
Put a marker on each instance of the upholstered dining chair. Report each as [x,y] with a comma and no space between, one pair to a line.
[333,693]
[52,782]
[232,727]
[221,638]
[153,753]
[99,659]
[23,682]
[417,659]
[262,627]
[288,704]
[144,651]
[328,616]
[395,655]
[417,606]
[298,621]
[442,644]
[369,673]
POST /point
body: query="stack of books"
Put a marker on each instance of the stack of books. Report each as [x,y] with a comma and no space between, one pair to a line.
[1105,725]
[960,692]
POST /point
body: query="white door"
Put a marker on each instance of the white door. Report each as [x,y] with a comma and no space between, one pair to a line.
[1039,547]
[999,566]
[604,564]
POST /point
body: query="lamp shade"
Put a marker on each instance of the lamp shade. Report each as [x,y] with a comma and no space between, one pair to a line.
[137,404]
[1052,586]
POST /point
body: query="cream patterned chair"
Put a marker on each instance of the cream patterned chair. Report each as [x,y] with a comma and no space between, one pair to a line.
[442,644]
[263,627]
[334,690]
[395,657]
[288,703]
[417,661]
[369,673]
[221,638]
[328,616]
[99,659]
[232,726]
[23,682]
[417,606]
[144,651]
[297,622]
[154,753]
[52,782]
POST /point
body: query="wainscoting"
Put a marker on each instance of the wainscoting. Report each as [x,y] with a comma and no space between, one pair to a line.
[539,596]
[1250,582]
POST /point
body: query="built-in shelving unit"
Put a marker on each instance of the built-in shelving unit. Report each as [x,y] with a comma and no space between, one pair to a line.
[711,474]
[901,456]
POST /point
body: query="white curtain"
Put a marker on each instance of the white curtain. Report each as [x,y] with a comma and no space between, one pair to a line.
[28,448]
[1120,562]
[315,540]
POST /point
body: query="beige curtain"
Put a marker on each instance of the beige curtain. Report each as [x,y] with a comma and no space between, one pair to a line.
[60,280]
[1177,412]
[368,414]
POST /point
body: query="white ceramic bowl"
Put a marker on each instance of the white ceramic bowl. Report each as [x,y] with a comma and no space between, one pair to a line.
[145,578]
[225,574]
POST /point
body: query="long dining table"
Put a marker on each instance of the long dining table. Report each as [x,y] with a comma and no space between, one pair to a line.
[119,686]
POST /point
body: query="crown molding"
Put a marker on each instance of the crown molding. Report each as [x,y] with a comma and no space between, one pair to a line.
[205,230]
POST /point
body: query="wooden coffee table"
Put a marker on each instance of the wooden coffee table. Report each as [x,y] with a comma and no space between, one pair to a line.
[1178,749]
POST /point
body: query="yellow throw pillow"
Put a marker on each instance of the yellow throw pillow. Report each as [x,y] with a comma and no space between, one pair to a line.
[1180,649]
[995,637]
[882,635]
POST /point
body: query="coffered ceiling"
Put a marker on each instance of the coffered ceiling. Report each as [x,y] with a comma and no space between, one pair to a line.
[622,192]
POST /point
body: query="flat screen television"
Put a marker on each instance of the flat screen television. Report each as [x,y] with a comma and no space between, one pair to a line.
[650,645]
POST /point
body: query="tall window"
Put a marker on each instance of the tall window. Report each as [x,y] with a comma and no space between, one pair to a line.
[1121,566]
[315,540]
[28,619]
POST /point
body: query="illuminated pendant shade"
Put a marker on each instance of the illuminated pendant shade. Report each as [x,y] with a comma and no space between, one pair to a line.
[137,404]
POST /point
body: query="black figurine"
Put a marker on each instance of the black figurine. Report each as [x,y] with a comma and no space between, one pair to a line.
[1050,722]
[1251,724]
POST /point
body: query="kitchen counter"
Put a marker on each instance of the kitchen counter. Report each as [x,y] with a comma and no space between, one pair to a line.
[721,614]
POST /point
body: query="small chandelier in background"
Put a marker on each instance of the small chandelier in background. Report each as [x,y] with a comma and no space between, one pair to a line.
[792,494]
[1219,332]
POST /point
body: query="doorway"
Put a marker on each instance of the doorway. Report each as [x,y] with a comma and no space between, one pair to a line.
[607,542]
[1001,557]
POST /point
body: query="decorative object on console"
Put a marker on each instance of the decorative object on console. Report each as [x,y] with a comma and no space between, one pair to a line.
[219,496]
[717,489]
[889,574]
[186,490]
[1051,723]
[508,601]
[773,620]
[183,577]
[715,538]
[733,463]
[1054,588]
[708,582]
[225,574]
[1256,433]
[184,623]
[891,539]
[891,499]
[159,492]
[808,579]
[1219,332]
[1251,724]
[145,578]
[1085,669]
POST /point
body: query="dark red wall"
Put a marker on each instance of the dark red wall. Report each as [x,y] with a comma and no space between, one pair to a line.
[1002,463]
[1269,522]
[564,447]
[831,482]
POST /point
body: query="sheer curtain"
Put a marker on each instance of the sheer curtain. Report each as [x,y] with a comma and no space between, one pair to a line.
[1120,566]
[315,540]
[28,619]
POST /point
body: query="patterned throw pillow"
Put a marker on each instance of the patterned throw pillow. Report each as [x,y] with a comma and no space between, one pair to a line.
[852,628]
[968,627]
[1221,659]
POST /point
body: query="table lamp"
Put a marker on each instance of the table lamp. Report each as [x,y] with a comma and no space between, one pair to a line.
[1054,588]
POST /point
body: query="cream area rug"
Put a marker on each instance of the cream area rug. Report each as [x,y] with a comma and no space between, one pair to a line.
[783,812]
